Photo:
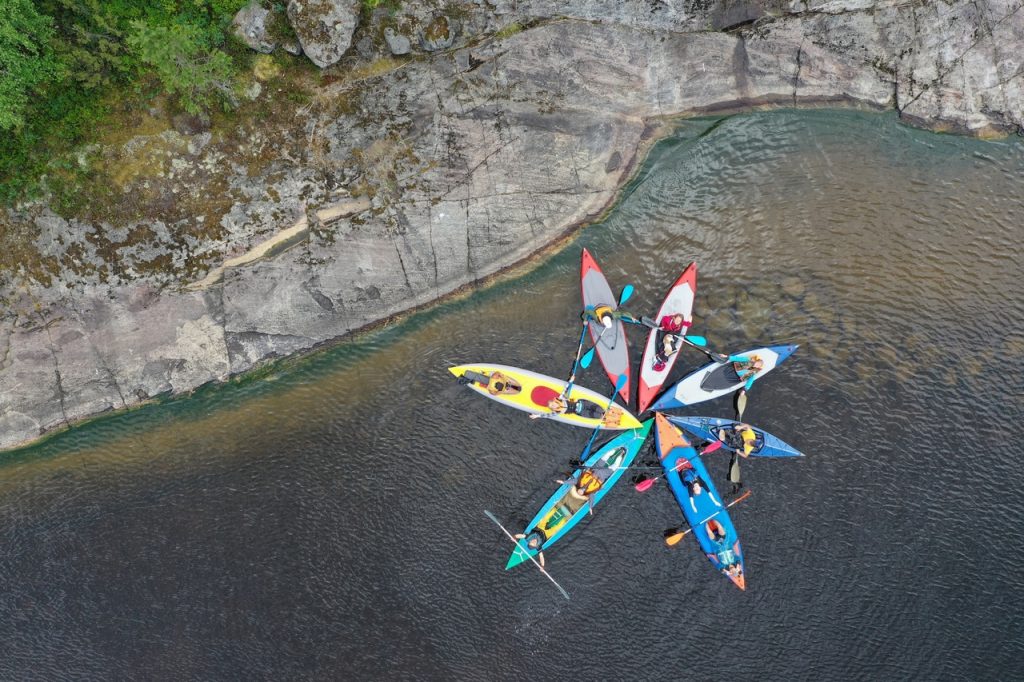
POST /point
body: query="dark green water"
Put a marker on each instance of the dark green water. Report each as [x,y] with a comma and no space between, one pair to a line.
[325,522]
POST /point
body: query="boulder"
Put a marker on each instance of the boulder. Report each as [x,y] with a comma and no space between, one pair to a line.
[439,34]
[324,27]
[250,25]
[397,43]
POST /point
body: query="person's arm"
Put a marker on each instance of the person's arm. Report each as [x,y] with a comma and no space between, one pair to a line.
[540,556]
[750,381]
[738,358]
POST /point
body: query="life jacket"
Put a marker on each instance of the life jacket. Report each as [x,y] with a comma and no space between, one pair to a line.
[589,482]
[749,440]
[603,311]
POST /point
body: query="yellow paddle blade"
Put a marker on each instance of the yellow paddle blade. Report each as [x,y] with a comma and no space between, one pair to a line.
[674,539]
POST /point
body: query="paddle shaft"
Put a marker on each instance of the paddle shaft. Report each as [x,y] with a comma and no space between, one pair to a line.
[676,537]
[576,362]
[530,556]
[619,383]
[644,485]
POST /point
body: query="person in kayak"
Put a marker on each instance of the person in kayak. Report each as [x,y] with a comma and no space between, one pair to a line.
[741,437]
[534,540]
[606,316]
[560,405]
[746,369]
[499,384]
[496,383]
[733,570]
[670,329]
[715,530]
[696,487]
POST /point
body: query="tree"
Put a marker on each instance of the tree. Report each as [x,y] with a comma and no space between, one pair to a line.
[26,61]
[185,63]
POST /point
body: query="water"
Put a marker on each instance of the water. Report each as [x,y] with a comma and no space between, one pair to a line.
[325,521]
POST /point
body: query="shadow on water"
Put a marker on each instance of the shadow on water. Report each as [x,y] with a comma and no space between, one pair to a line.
[324,518]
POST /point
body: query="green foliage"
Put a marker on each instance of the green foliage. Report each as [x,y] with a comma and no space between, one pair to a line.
[26,61]
[186,63]
[61,61]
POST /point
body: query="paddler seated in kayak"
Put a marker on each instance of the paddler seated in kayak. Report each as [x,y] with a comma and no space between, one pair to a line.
[733,570]
[715,530]
[534,540]
[496,383]
[606,315]
[746,369]
[696,486]
[670,329]
[741,437]
[500,384]
[581,408]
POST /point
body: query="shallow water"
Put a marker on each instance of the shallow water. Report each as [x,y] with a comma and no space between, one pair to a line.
[325,521]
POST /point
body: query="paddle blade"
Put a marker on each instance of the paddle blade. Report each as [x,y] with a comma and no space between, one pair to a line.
[698,340]
[620,382]
[645,484]
[674,538]
[587,358]
[711,447]
[627,292]
[741,404]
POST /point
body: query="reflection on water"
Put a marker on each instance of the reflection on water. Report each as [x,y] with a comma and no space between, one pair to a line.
[326,520]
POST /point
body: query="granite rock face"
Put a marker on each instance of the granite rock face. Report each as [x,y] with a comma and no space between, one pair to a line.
[439,172]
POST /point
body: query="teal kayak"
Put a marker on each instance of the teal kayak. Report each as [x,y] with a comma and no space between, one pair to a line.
[567,507]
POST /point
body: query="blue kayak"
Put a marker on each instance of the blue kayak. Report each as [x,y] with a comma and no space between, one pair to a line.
[709,428]
[566,508]
[700,502]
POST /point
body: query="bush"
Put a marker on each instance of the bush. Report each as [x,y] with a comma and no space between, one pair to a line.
[26,61]
[186,64]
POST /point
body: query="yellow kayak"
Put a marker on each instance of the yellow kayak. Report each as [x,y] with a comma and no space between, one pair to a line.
[542,395]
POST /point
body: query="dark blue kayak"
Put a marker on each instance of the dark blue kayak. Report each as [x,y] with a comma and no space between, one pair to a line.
[708,429]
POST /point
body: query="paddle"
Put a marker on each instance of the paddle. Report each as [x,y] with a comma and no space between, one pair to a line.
[646,484]
[588,357]
[576,362]
[692,340]
[674,535]
[619,383]
[734,462]
[529,556]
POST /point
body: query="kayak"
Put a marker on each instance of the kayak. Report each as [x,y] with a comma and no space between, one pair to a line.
[563,510]
[704,511]
[717,379]
[610,344]
[653,373]
[531,392]
[708,429]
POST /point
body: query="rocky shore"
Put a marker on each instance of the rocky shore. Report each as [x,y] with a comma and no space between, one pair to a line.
[440,145]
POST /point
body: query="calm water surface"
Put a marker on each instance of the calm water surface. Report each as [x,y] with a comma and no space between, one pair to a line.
[325,521]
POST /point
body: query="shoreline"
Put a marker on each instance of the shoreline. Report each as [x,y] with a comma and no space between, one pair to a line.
[413,187]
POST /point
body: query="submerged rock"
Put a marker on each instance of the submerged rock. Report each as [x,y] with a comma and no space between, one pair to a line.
[324,27]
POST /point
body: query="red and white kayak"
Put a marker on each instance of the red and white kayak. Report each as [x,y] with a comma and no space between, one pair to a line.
[678,301]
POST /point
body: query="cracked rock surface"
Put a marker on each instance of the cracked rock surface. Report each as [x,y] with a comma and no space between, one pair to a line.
[437,171]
